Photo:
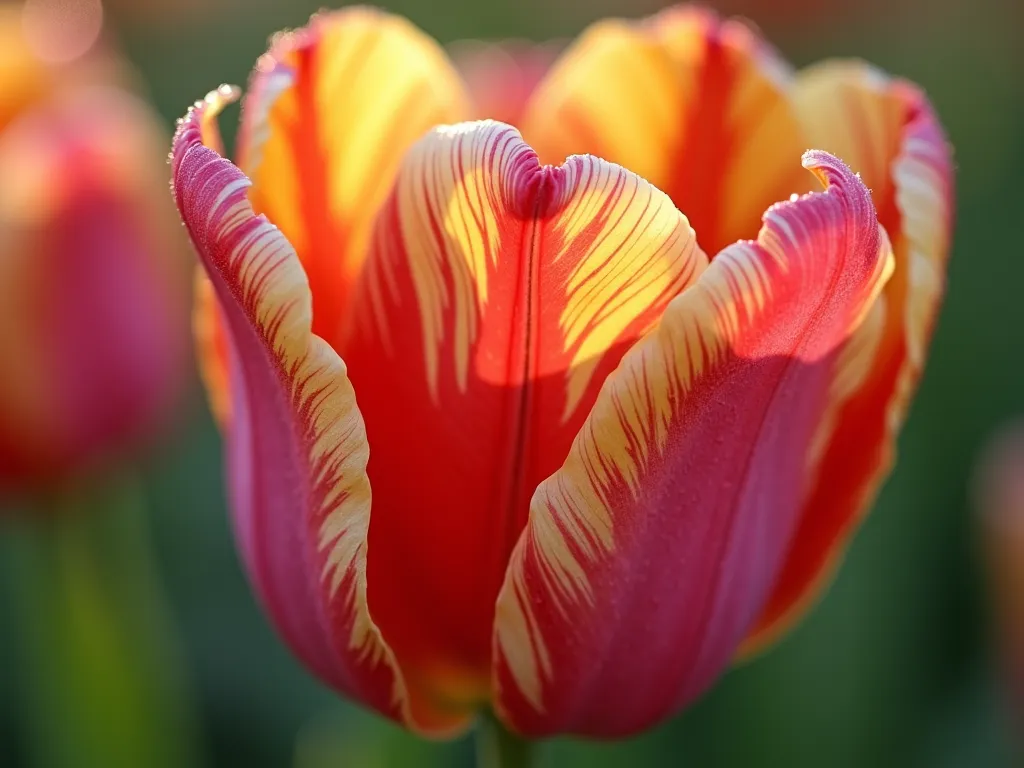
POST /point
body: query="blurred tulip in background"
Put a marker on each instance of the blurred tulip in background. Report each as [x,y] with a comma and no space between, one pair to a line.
[92,319]
[93,361]
[999,495]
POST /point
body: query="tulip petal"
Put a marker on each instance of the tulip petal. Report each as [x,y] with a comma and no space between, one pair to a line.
[329,113]
[296,443]
[330,110]
[208,324]
[696,105]
[91,301]
[672,512]
[497,296]
[887,131]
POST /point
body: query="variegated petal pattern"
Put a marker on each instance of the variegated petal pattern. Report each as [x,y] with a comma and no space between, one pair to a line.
[327,119]
[296,444]
[698,106]
[649,554]
[887,131]
[330,110]
[497,295]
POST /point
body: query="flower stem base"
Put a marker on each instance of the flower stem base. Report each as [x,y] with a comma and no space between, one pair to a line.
[498,747]
[103,683]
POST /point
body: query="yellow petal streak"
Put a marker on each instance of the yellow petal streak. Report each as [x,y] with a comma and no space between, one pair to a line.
[330,112]
[333,109]
[614,246]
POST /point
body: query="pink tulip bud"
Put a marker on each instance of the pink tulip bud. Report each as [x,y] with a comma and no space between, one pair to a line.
[92,325]
[1000,501]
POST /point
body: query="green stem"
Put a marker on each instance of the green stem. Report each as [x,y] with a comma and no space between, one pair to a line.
[102,678]
[498,747]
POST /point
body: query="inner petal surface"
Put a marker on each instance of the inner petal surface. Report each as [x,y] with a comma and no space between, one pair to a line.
[698,105]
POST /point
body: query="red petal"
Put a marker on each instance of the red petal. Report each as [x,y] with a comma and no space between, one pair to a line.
[296,445]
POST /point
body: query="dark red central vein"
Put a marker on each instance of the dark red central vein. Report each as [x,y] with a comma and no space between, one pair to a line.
[323,246]
[512,502]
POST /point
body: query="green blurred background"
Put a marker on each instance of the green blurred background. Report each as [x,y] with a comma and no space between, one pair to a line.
[892,669]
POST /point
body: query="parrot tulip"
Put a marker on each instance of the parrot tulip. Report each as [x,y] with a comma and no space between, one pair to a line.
[93,327]
[619,411]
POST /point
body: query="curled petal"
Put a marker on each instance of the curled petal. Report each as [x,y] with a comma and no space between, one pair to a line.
[497,296]
[208,324]
[698,106]
[887,131]
[671,515]
[296,444]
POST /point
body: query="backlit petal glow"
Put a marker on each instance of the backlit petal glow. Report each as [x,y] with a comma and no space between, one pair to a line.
[330,109]
[697,106]
[497,295]
[659,522]
[329,113]
[621,384]
[886,130]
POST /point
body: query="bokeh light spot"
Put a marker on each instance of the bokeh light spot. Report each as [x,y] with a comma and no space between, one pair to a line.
[60,31]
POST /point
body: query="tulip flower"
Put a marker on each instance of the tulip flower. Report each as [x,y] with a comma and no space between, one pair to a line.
[90,309]
[509,426]
[93,333]
[999,498]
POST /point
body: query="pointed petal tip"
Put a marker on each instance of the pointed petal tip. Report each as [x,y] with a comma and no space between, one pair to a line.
[210,105]
[198,126]
[830,170]
[225,93]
